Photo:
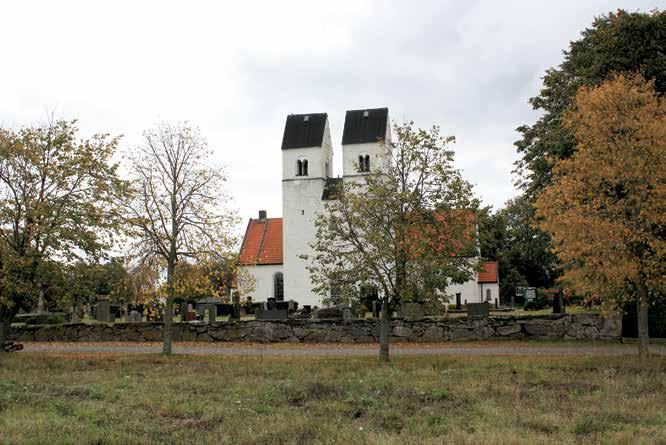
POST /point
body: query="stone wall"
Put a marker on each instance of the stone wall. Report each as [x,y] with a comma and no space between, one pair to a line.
[585,327]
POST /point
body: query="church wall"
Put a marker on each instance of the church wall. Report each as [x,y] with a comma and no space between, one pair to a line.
[469,291]
[263,281]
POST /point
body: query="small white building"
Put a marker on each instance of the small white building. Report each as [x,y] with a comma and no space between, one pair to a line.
[272,247]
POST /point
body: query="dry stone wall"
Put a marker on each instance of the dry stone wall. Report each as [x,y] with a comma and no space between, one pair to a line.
[584,327]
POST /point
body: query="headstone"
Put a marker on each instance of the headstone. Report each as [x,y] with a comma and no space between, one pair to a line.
[346,313]
[458,302]
[412,311]
[558,303]
[103,309]
[212,313]
[235,310]
[496,303]
[135,316]
[183,311]
[478,310]
[376,309]
[272,314]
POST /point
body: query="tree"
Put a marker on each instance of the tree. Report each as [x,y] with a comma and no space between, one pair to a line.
[521,250]
[616,42]
[57,202]
[403,231]
[177,207]
[606,208]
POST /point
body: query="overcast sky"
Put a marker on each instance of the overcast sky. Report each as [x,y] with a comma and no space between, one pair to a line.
[237,69]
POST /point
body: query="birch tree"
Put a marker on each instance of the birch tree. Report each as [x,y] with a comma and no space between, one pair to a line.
[404,231]
[179,206]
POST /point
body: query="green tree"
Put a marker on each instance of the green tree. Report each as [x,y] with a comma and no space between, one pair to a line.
[404,230]
[606,207]
[616,42]
[522,251]
[177,207]
[57,202]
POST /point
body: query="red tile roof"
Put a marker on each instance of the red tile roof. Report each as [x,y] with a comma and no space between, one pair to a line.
[488,272]
[262,243]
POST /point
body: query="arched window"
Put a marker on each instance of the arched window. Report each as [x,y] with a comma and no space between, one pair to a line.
[488,294]
[278,286]
[302,167]
[364,163]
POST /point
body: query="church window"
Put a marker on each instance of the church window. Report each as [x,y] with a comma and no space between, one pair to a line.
[364,163]
[488,295]
[302,167]
[278,286]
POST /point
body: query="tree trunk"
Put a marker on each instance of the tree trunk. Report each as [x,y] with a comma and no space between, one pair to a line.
[384,331]
[642,315]
[168,310]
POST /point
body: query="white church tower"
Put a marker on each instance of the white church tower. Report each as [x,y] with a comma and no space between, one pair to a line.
[307,162]
[365,142]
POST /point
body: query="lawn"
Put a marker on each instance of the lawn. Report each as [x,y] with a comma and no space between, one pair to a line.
[50,398]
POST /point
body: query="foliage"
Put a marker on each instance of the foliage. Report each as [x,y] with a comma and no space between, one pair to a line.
[204,279]
[606,209]
[57,202]
[521,250]
[616,42]
[86,280]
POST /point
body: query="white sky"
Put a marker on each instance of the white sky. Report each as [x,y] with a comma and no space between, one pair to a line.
[237,69]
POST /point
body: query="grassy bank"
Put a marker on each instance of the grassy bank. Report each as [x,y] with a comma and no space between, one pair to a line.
[246,400]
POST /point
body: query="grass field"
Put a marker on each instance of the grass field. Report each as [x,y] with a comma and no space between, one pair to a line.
[143,399]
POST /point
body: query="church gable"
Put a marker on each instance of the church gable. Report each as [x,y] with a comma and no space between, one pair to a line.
[262,244]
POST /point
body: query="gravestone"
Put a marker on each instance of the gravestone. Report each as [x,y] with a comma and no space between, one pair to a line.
[236,308]
[558,302]
[458,302]
[212,313]
[478,310]
[376,309]
[411,311]
[103,309]
[346,313]
[272,314]
[183,311]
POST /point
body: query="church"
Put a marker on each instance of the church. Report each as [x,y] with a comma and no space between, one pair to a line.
[272,247]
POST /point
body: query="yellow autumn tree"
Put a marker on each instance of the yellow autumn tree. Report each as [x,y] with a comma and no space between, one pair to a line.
[605,209]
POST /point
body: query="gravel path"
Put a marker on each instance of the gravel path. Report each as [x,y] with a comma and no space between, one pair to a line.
[319,350]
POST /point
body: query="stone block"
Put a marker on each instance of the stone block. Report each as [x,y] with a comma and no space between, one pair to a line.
[509,329]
